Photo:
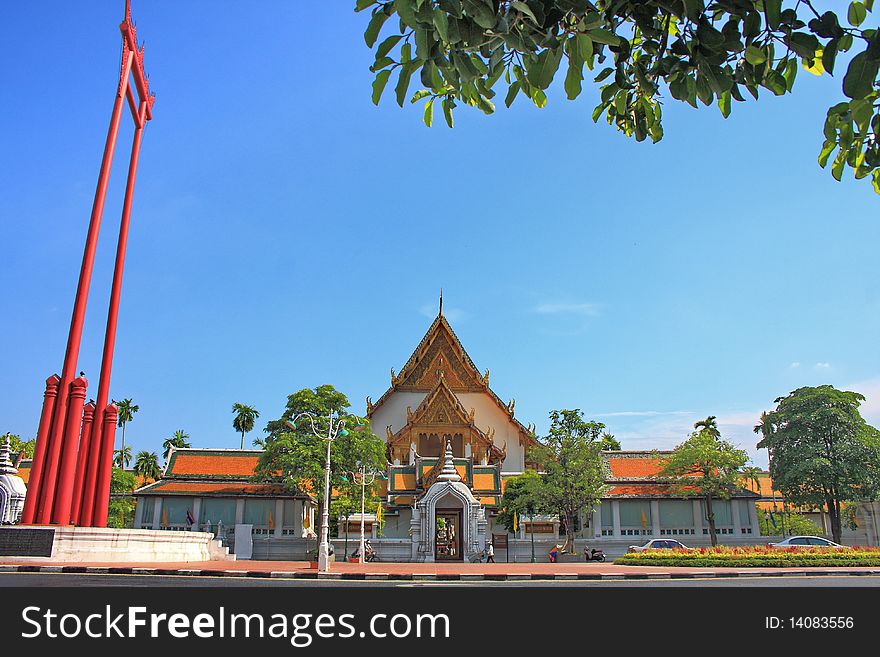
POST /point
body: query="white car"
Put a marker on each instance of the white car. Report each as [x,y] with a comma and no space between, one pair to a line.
[659,544]
[806,541]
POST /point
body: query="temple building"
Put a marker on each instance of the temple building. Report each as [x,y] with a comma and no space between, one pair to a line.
[451,444]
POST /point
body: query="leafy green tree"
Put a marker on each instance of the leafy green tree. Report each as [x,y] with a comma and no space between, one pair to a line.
[570,464]
[18,446]
[822,452]
[610,443]
[522,496]
[120,513]
[795,523]
[146,464]
[706,466]
[122,457]
[244,419]
[296,457]
[695,51]
[127,409]
[751,477]
[179,440]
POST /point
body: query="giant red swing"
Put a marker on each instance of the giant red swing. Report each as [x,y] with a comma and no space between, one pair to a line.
[69,482]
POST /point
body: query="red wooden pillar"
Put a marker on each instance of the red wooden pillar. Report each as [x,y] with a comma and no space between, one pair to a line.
[105,468]
[74,338]
[31,502]
[67,465]
[82,458]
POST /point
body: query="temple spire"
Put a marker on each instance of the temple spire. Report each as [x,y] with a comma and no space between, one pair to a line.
[441,303]
[6,466]
[448,473]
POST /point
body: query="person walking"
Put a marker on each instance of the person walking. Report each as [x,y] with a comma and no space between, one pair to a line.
[490,554]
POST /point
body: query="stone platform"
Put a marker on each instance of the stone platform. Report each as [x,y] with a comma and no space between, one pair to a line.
[48,543]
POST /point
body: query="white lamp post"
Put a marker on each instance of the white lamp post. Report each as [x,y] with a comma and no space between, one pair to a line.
[335,428]
[364,478]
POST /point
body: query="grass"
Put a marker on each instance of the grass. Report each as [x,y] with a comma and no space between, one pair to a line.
[754,557]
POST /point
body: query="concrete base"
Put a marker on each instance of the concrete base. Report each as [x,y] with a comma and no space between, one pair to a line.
[105,545]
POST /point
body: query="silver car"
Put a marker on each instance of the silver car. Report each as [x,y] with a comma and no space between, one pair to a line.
[659,544]
[806,541]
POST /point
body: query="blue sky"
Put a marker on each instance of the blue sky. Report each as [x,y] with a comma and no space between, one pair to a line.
[287,233]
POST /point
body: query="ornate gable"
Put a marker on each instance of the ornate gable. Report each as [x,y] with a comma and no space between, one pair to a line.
[440,353]
[441,407]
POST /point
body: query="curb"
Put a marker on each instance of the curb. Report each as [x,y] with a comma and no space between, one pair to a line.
[438,577]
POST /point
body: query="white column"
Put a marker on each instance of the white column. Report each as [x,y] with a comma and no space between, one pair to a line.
[197,507]
[698,518]
[615,517]
[655,518]
[597,523]
[157,514]
[734,512]
[239,511]
[279,517]
[139,513]
[753,519]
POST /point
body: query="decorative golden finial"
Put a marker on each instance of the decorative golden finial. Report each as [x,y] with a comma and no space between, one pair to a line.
[510,406]
[409,413]
[485,378]
[393,378]
[440,314]
[388,432]
[369,405]
[472,415]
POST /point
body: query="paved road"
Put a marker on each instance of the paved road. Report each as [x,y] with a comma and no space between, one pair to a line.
[59,579]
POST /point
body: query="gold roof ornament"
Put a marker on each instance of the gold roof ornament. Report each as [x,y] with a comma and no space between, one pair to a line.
[510,406]
[369,405]
[388,432]
[485,379]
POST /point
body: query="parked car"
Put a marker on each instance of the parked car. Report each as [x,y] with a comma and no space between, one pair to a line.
[659,544]
[806,541]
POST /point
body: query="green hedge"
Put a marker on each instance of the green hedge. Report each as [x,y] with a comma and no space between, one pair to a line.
[758,557]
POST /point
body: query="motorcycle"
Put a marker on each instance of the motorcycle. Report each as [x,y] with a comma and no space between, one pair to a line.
[594,554]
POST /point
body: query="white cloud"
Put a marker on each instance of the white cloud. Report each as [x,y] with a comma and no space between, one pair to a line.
[641,413]
[795,365]
[822,366]
[583,309]
[870,408]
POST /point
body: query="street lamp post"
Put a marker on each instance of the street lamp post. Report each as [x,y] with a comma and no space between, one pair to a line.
[363,477]
[335,428]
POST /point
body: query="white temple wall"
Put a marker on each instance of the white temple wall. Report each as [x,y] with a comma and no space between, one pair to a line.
[489,414]
[393,412]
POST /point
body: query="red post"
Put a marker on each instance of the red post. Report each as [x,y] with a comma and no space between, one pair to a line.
[72,430]
[82,458]
[74,338]
[105,468]
[33,494]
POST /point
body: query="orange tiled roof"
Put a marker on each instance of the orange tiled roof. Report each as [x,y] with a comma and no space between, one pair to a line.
[639,490]
[24,470]
[213,463]
[628,468]
[216,488]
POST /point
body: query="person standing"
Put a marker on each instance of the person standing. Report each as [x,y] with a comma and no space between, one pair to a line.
[490,554]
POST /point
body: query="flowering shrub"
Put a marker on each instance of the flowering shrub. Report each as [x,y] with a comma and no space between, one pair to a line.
[755,556]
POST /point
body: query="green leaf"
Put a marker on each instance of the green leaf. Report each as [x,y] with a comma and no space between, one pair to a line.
[539,98]
[860,75]
[827,149]
[774,81]
[360,5]
[386,46]
[600,35]
[574,77]
[693,9]
[512,91]
[862,112]
[374,26]
[875,181]
[773,12]
[441,22]
[406,72]
[839,163]
[417,96]
[541,69]
[724,103]
[448,105]
[379,85]
[755,55]
[856,14]
[429,113]
[524,8]
[829,54]
[604,73]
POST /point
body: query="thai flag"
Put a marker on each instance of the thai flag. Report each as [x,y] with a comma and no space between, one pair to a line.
[190,520]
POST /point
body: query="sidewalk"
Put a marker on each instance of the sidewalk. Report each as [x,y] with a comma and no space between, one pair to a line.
[428,571]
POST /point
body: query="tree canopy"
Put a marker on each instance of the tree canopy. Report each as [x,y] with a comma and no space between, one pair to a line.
[822,452]
[17,446]
[297,456]
[639,52]
[704,465]
[570,464]
[179,440]
[146,464]
[522,496]
[245,417]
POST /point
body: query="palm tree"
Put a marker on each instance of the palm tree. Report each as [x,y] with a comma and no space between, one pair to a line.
[709,425]
[179,440]
[147,465]
[122,457]
[126,415]
[244,419]
[752,475]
